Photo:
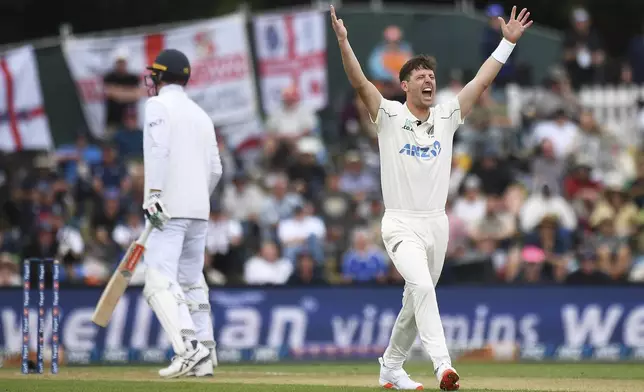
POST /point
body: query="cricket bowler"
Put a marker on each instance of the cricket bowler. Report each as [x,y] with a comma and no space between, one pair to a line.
[415,140]
[182,169]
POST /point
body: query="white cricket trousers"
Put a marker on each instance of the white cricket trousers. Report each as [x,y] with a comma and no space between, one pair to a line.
[417,243]
[178,252]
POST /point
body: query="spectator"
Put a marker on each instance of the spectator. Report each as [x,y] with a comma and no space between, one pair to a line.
[289,124]
[587,273]
[364,262]
[561,131]
[388,57]
[42,245]
[306,173]
[336,207]
[304,232]
[306,272]
[129,137]
[556,93]
[636,57]
[110,174]
[531,266]
[454,85]
[470,207]
[223,243]
[480,133]
[639,122]
[338,210]
[103,253]
[71,244]
[109,212]
[546,169]
[355,179]
[9,274]
[458,234]
[626,76]
[267,267]
[9,241]
[122,91]
[243,199]
[636,187]
[579,184]
[583,51]
[616,205]
[545,203]
[129,230]
[581,190]
[495,176]
[293,120]
[475,265]
[279,205]
[456,178]
[613,252]
[71,157]
[556,243]
[497,224]
[598,146]
[355,123]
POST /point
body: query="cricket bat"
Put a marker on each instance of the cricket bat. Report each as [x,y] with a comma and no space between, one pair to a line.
[120,280]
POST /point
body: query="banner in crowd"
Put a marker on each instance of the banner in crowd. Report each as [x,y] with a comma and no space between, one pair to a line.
[23,122]
[221,83]
[291,52]
[326,323]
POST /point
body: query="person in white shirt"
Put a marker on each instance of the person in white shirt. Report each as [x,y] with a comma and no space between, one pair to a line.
[561,131]
[182,169]
[243,200]
[128,231]
[268,267]
[544,203]
[302,232]
[292,120]
[222,242]
[415,142]
[472,206]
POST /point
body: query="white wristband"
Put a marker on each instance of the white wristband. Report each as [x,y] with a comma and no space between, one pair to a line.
[503,51]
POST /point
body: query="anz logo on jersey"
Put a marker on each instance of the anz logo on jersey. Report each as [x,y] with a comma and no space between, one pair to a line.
[424,153]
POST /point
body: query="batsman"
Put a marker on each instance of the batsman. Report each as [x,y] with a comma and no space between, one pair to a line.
[182,169]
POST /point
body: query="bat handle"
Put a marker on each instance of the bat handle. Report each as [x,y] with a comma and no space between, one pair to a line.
[144,236]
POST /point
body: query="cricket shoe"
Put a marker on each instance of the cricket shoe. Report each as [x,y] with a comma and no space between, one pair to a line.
[448,378]
[182,364]
[396,379]
[204,369]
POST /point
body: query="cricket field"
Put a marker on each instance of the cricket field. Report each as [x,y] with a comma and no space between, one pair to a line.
[336,376]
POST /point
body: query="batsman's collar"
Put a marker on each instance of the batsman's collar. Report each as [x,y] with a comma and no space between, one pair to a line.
[170,87]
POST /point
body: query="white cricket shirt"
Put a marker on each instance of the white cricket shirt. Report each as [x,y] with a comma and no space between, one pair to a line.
[415,156]
[180,153]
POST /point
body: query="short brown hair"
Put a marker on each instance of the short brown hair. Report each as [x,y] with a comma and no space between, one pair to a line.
[417,62]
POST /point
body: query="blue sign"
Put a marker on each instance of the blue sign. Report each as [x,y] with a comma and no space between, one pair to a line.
[275,323]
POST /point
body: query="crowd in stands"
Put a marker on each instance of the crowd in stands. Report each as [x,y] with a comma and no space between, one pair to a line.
[557,200]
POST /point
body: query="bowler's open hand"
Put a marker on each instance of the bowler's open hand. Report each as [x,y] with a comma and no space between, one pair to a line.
[516,26]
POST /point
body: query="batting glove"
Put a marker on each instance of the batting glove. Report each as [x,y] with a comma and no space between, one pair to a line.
[155,211]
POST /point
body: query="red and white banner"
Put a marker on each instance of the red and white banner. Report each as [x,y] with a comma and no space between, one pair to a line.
[221,80]
[23,122]
[291,51]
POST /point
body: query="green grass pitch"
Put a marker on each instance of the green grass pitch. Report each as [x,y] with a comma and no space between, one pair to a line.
[337,377]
